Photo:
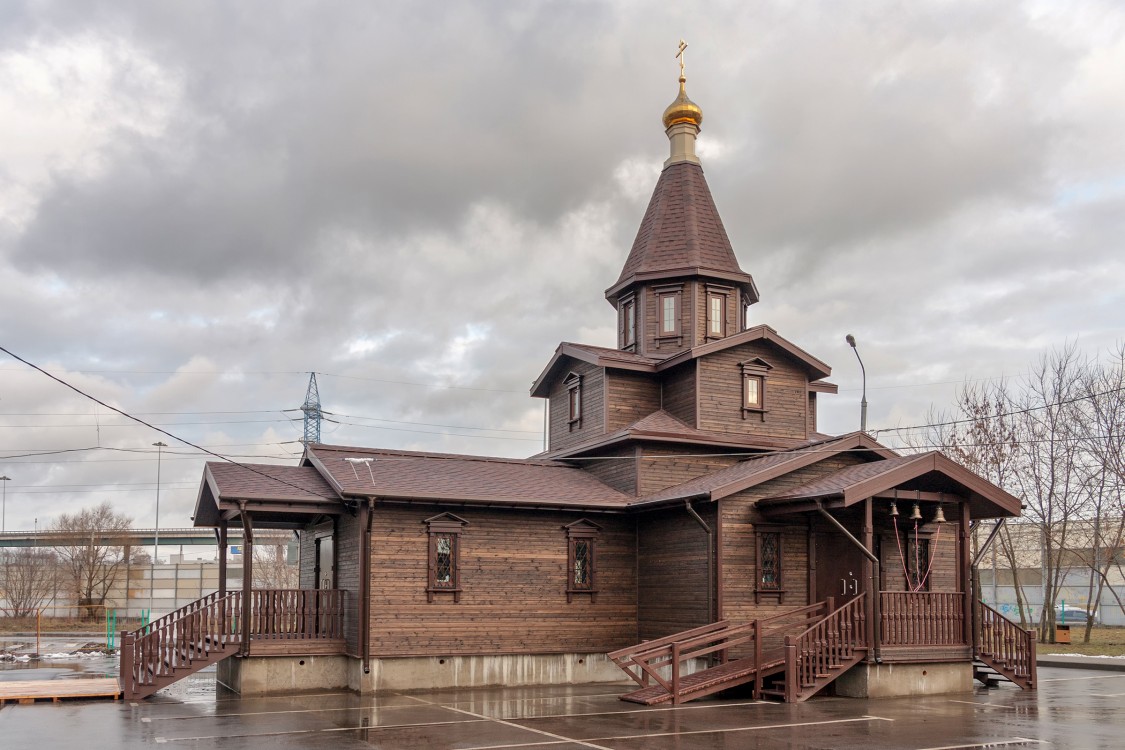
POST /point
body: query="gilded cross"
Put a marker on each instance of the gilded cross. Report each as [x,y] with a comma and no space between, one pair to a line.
[680,54]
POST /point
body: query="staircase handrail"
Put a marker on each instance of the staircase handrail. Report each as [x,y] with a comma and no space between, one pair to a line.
[650,657]
[1005,646]
[831,640]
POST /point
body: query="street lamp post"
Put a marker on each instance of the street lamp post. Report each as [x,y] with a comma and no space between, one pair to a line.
[4,507]
[863,403]
[160,446]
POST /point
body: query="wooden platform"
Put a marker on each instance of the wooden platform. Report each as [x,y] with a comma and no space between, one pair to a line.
[30,691]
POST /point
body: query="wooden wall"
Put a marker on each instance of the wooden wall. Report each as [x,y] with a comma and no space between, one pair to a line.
[786,393]
[513,575]
[616,467]
[631,396]
[662,466]
[672,578]
[678,398]
[739,553]
[811,426]
[943,546]
[564,435]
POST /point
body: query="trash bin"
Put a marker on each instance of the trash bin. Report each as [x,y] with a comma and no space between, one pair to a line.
[1062,634]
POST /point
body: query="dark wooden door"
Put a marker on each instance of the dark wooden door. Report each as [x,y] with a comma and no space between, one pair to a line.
[839,568]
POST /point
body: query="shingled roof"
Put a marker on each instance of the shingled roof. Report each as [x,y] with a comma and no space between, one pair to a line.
[413,475]
[290,494]
[681,233]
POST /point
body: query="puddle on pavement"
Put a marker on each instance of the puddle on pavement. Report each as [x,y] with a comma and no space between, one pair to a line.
[58,659]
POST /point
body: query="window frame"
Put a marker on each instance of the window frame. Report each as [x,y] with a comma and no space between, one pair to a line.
[723,294]
[760,590]
[573,383]
[755,371]
[585,531]
[444,525]
[910,575]
[628,322]
[675,293]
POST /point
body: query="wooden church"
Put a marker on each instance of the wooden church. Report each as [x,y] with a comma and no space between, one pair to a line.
[688,527]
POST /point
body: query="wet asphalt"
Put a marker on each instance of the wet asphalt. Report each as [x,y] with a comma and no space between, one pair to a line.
[1074,708]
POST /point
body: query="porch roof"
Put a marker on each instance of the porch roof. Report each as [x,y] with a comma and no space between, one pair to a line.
[930,472]
[758,469]
[281,496]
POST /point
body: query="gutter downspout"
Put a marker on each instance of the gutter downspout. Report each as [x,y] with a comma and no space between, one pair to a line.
[710,560]
[365,587]
[875,576]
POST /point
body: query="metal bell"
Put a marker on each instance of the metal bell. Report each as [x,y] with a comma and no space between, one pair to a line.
[894,509]
[916,514]
[939,517]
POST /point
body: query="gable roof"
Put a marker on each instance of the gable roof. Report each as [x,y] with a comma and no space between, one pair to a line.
[930,472]
[681,234]
[598,356]
[444,477]
[290,494]
[816,368]
[758,469]
[617,359]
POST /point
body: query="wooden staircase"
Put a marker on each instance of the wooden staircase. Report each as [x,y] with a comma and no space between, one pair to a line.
[799,651]
[298,621]
[1001,648]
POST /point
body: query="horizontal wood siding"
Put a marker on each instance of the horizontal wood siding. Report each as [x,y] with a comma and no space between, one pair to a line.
[347,577]
[668,465]
[655,344]
[513,579]
[943,547]
[740,519]
[562,433]
[672,571]
[678,397]
[617,468]
[812,412]
[786,394]
[631,397]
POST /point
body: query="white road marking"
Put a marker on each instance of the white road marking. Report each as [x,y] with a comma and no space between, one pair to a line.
[1106,695]
[997,743]
[986,705]
[1076,679]
[559,739]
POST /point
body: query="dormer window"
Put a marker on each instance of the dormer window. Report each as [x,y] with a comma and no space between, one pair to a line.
[754,374]
[573,385]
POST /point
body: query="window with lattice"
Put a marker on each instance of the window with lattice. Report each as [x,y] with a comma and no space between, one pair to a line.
[755,372]
[581,543]
[769,565]
[444,533]
[917,563]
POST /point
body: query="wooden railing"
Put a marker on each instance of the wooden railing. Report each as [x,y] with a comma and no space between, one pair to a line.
[297,614]
[663,660]
[922,618]
[1005,646]
[211,628]
[824,650]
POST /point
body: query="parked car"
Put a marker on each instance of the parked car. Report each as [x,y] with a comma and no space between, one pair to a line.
[1074,616]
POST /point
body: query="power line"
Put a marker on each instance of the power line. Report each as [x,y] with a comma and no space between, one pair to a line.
[221,457]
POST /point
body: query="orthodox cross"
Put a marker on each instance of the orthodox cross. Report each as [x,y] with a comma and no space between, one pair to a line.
[680,54]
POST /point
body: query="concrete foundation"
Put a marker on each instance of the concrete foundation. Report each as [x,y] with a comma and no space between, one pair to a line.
[275,675]
[436,672]
[897,680]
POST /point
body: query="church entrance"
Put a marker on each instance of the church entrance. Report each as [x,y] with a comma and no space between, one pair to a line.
[839,568]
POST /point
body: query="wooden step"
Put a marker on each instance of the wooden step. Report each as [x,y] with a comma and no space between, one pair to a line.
[705,682]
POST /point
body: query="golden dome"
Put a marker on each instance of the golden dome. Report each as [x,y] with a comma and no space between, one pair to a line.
[683,109]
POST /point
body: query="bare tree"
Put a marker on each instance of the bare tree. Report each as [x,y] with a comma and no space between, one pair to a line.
[93,551]
[271,568]
[29,578]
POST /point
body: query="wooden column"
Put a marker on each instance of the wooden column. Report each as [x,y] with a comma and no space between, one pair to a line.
[869,574]
[247,579]
[965,564]
[811,597]
[221,533]
[363,631]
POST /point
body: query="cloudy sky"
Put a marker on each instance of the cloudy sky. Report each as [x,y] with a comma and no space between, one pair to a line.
[201,202]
